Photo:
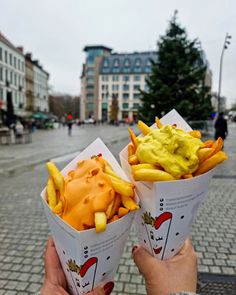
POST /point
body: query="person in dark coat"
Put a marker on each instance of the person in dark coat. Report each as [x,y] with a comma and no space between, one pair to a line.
[221,127]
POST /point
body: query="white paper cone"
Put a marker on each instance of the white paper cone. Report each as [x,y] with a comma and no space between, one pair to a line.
[89,258]
[168,208]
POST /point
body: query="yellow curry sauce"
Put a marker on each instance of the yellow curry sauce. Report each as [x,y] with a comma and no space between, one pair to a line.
[174,149]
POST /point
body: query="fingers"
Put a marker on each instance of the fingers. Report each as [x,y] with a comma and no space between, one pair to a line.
[186,252]
[51,260]
[140,255]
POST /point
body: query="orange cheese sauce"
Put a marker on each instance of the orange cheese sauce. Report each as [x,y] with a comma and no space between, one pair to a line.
[87,190]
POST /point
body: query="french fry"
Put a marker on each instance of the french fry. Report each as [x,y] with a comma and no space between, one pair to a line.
[113,206]
[208,143]
[129,203]
[111,172]
[58,209]
[204,153]
[217,146]
[195,133]
[151,175]
[122,212]
[158,123]
[114,218]
[141,166]
[51,193]
[211,162]
[130,150]
[133,138]
[100,220]
[56,176]
[133,160]
[122,187]
[143,127]
[187,176]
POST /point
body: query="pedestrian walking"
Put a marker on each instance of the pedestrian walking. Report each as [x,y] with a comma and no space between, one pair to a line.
[221,127]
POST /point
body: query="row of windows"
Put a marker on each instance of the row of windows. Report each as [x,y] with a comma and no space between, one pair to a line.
[124,95]
[126,70]
[11,60]
[125,87]
[11,77]
[105,78]
[125,105]
[127,63]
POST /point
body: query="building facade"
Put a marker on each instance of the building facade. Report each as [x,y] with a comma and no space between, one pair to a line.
[40,85]
[29,82]
[89,107]
[121,77]
[12,76]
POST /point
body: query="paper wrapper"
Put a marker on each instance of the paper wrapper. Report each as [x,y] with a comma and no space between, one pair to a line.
[168,208]
[89,258]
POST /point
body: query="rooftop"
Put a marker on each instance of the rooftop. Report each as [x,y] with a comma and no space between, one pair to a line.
[89,47]
[4,40]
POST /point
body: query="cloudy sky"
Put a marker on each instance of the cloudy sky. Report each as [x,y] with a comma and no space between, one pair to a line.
[56,31]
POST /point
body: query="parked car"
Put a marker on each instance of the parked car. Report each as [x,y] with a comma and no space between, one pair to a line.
[89,121]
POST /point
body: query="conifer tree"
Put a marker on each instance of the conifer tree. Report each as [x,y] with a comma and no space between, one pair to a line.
[177,78]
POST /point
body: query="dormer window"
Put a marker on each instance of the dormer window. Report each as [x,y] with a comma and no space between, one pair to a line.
[105,63]
[116,63]
[126,62]
[137,62]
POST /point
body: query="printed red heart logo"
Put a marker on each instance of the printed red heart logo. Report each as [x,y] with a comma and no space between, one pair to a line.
[161,219]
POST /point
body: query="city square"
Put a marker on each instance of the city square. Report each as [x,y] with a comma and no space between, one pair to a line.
[24,229]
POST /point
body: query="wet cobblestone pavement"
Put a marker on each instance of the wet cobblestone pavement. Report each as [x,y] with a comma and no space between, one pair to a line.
[24,229]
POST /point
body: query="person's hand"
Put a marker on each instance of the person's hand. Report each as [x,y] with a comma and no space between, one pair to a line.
[55,280]
[165,276]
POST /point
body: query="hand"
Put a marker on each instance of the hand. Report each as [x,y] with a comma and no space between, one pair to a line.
[55,280]
[165,276]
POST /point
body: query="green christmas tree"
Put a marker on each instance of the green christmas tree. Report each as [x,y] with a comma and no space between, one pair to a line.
[177,78]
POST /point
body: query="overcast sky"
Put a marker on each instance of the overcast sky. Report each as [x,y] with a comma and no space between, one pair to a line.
[56,31]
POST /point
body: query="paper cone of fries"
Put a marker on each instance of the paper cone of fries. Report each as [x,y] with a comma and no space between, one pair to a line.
[89,258]
[168,208]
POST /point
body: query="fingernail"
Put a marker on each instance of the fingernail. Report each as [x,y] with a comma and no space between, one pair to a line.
[134,248]
[108,288]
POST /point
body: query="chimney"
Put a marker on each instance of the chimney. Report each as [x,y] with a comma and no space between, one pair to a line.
[21,49]
[28,56]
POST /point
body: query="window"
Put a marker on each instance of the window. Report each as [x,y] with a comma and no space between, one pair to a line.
[90,106]
[11,77]
[10,59]
[137,78]
[125,78]
[1,93]
[135,105]
[126,70]
[90,71]
[18,64]
[115,78]
[125,105]
[90,80]
[22,66]
[105,78]
[136,96]
[6,57]
[115,87]
[6,75]
[1,74]
[136,86]
[90,96]
[115,70]
[125,87]
[126,62]
[14,62]
[137,62]
[104,105]
[106,63]
[148,62]
[146,87]
[116,63]
[125,96]
[137,70]
[0,53]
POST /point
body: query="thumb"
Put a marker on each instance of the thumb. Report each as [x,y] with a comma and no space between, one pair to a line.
[144,261]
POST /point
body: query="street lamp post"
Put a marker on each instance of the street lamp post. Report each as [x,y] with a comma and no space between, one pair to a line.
[225,46]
